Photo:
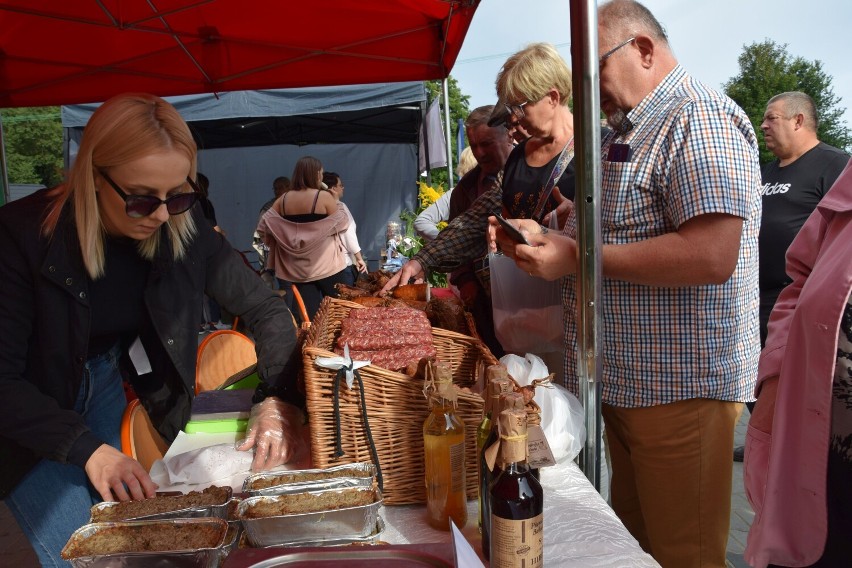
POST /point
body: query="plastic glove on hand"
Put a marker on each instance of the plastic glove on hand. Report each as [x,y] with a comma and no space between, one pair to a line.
[274,432]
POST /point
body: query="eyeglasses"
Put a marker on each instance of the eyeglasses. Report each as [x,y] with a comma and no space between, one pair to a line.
[138,206]
[609,53]
[516,110]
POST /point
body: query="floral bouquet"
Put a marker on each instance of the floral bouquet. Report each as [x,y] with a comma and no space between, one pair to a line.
[411,243]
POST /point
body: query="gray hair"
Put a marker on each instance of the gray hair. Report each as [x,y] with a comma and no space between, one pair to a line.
[797,102]
[631,18]
[479,117]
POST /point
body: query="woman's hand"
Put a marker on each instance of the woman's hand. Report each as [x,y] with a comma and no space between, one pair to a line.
[549,255]
[114,474]
[274,433]
[562,211]
[498,239]
[360,264]
[764,409]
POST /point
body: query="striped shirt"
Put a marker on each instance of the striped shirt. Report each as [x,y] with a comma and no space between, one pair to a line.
[694,152]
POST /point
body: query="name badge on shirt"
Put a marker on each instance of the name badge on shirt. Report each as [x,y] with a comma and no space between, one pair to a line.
[139,358]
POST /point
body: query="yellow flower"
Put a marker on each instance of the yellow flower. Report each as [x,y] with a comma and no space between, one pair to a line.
[427,195]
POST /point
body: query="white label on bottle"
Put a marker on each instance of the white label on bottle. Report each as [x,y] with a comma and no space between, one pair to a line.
[540,454]
[457,467]
[517,544]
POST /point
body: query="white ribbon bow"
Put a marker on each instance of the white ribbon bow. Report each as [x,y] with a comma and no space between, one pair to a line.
[344,362]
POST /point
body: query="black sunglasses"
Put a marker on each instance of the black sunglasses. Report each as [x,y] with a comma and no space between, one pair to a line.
[138,206]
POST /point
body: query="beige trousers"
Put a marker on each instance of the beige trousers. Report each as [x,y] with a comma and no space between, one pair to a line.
[671,477]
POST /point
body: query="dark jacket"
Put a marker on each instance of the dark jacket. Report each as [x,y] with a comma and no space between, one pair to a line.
[464,194]
[44,332]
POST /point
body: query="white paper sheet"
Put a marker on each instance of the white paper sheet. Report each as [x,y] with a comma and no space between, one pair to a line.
[196,461]
[465,554]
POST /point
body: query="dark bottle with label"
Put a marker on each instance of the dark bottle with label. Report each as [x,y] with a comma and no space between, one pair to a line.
[533,420]
[517,501]
[498,382]
[443,442]
[511,401]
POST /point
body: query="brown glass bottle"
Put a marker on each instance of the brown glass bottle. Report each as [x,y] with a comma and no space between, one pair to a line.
[507,401]
[443,443]
[533,418]
[497,381]
[517,501]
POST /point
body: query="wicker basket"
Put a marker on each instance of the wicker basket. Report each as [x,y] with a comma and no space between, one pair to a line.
[396,407]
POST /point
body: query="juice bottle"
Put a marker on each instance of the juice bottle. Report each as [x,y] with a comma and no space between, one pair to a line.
[443,442]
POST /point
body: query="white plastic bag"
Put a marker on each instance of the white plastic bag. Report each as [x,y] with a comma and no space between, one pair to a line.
[562,416]
[527,310]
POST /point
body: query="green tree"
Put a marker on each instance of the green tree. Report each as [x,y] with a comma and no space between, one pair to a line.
[33,138]
[459,109]
[767,69]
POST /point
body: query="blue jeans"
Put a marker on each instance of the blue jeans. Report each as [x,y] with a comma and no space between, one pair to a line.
[54,499]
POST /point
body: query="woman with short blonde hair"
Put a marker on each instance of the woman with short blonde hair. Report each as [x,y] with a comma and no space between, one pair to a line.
[529,74]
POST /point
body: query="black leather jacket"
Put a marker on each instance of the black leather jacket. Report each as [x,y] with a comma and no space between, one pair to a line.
[44,333]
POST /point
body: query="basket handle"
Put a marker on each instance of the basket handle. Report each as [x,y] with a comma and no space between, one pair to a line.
[338,449]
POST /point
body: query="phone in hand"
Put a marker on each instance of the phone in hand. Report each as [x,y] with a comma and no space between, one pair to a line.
[513,232]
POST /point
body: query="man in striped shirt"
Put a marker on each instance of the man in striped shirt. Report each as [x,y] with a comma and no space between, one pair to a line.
[680,215]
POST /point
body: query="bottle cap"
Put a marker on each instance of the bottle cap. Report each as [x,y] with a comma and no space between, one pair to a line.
[439,382]
[497,386]
[511,401]
[513,435]
[496,372]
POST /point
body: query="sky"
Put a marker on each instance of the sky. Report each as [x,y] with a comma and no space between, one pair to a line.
[707,37]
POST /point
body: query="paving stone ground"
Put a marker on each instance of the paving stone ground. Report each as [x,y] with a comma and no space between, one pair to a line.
[741,512]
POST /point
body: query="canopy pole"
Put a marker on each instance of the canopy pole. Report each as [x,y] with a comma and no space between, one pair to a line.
[5,195]
[425,132]
[448,132]
[585,65]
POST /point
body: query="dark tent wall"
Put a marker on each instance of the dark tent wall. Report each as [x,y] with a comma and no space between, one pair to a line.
[379,181]
[366,133]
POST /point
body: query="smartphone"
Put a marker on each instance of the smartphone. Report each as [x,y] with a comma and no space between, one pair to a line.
[619,153]
[512,231]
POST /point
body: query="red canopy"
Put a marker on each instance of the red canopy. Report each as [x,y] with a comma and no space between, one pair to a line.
[74,51]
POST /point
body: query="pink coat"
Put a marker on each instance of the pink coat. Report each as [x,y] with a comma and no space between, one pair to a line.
[785,472]
[304,252]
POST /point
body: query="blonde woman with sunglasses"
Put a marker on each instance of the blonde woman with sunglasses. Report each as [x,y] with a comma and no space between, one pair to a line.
[103,279]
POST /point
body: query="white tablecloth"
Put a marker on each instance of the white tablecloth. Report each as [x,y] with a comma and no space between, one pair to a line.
[580,528]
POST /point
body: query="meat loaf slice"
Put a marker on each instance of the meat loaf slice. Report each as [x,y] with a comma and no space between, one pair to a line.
[383,340]
[387,313]
[394,359]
